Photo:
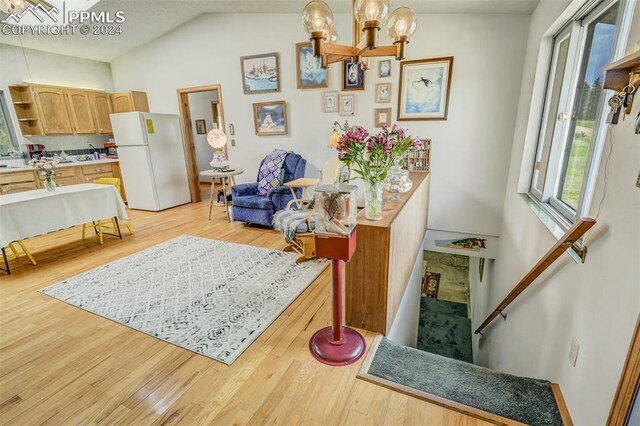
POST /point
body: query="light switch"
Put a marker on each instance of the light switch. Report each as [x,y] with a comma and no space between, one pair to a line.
[573,351]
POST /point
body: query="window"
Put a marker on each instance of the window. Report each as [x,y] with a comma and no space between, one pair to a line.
[573,124]
[8,140]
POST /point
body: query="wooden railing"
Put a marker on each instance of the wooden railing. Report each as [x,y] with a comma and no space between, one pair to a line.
[567,240]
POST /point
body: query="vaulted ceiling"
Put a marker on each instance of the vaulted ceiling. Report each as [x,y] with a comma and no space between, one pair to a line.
[150,19]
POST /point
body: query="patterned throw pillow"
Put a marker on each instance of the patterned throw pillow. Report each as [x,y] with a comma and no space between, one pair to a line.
[271,172]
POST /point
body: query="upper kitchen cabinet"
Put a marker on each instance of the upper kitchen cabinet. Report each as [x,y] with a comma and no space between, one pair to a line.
[53,112]
[82,116]
[129,102]
[101,105]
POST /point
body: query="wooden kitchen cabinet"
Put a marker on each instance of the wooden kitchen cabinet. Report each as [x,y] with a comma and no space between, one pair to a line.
[82,114]
[101,105]
[129,102]
[52,110]
[21,181]
[26,180]
[26,110]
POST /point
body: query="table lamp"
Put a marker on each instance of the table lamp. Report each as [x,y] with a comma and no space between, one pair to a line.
[217,140]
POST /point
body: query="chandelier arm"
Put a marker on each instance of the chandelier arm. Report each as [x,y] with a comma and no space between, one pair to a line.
[332,59]
[379,51]
[339,50]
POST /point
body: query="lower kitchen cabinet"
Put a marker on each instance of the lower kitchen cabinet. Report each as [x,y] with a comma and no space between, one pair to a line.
[27,180]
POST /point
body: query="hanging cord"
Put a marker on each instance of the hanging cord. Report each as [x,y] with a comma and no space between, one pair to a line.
[24,55]
[608,139]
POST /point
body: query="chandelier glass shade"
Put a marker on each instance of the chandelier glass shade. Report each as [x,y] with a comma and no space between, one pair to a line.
[368,16]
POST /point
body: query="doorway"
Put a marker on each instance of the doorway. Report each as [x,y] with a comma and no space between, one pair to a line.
[444,326]
[204,105]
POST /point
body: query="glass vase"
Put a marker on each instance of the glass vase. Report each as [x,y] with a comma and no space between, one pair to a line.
[373,200]
[49,183]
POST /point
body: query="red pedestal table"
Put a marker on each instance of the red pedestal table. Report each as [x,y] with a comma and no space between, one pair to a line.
[337,344]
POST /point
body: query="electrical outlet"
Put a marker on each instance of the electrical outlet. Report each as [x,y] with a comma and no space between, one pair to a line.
[573,351]
[233,142]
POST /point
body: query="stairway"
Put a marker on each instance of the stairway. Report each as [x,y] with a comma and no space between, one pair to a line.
[445,329]
[477,391]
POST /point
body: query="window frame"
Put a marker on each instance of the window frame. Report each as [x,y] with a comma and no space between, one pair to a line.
[7,117]
[553,161]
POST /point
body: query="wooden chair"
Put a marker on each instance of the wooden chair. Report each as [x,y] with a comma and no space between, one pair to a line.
[103,226]
[25,250]
[303,243]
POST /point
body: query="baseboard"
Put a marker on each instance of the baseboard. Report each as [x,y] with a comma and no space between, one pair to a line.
[562,407]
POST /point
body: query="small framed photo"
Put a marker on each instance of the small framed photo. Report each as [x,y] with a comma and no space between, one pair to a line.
[329,101]
[384,68]
[352,76]
[201,127]
[309,69]
[260,73]
[347,104]
[382,116]
[383,93]
[270,118]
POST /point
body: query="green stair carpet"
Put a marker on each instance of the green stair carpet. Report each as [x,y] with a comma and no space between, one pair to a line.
[444,329]
[529,401]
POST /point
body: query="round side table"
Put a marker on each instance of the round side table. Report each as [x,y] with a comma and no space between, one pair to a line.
[228,179]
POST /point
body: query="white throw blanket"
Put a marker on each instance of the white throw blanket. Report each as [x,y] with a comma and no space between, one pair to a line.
[288,221]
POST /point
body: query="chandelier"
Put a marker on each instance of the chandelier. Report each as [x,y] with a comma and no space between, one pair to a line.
[317,19]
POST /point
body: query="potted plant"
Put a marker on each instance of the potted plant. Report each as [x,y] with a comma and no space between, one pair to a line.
[370,157]
[46,166]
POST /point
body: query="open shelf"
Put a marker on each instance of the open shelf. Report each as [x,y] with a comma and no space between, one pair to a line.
[26,110]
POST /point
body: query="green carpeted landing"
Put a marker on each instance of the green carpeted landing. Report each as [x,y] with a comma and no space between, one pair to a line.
[445,329]
[526,400]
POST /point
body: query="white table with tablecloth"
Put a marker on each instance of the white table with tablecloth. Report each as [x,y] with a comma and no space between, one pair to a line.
[31,213]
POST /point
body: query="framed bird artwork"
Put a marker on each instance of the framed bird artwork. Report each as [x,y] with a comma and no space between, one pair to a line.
[424,89]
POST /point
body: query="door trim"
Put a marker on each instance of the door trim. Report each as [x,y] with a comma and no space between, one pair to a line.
[187,133]
[629,380]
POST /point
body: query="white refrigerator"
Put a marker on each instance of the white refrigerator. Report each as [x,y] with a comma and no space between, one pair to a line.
[152,161]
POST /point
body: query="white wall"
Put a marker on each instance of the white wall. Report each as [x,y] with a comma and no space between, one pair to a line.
[200,108]
[470,150]
[598,301]
[49,68]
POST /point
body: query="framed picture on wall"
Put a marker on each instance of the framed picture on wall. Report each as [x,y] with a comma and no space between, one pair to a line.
[383,93]
[352,76]
[260,73]
[270,118]
[384,68]
[424,89]
[310,74]
[329,101]
[201,127]
[347,104]
[382,116]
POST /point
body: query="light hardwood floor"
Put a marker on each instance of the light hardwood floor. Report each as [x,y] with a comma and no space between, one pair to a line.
[62,365]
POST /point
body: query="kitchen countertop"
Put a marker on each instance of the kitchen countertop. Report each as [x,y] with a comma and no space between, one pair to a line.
[75,163]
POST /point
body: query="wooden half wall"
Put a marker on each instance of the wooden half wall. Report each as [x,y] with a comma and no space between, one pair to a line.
[378,273]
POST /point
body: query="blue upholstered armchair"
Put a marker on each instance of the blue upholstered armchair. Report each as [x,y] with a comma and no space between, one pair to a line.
[249,206]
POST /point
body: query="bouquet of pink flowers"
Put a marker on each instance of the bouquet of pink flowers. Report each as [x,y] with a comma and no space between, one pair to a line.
[374,155]
[46,165]
[370,157]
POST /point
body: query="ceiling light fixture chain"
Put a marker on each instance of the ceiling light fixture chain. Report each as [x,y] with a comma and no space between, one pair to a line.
[368,15]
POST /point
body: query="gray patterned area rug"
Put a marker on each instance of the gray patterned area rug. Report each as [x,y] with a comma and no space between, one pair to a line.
[210,297]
